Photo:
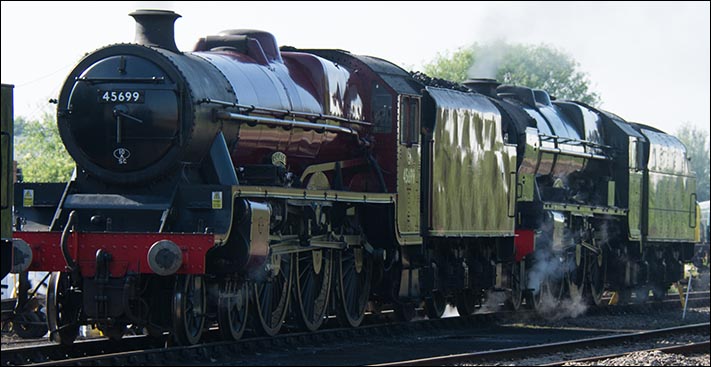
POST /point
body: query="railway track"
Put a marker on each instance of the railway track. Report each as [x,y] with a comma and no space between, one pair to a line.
[141,350]
[689,348]
[529,351]
[144,350]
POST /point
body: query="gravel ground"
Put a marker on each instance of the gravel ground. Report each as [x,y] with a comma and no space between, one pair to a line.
[631,323]
[653,358]
[634,359]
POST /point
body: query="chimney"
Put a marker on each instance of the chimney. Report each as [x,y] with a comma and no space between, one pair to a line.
[156,28]
[483,86]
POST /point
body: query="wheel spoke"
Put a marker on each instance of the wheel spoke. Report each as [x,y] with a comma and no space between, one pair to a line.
[312,289]
[309,295]
[188,303]
[268,295]
[518,271]
[576,279]
[271,298]
[354,288]
[62,309]
[596,279]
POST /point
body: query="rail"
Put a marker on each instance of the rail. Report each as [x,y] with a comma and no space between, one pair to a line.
[702,347]
[546,348]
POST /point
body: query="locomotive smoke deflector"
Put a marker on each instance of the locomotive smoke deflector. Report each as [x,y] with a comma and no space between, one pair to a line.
[156,28]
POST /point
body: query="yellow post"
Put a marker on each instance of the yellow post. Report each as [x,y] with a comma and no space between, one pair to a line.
[680,288]
[614,299]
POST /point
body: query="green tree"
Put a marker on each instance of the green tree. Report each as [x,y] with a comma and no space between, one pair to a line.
[39,150]
[696,141]
[535,66]
[453,68]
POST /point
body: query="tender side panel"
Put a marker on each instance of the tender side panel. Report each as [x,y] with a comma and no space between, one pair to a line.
[671,200]
[473,171]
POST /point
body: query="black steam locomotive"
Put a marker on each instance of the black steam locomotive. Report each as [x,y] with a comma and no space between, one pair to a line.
[249,186]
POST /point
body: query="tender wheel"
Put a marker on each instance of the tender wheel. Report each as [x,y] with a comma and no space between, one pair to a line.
[518,283]
[659,292]
[154,332]
[271,296]
[435,304]
[30,325]
[63,309]
[641,295]
[113,332]
[466,301]
[313,287]
[189,304]
[624,296]
[353,274]
[405,311]
[232,309]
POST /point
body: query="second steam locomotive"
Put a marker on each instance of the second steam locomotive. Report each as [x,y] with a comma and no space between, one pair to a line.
[248,186]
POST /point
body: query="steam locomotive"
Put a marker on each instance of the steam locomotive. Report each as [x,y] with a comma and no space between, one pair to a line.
[6,191]
[249,186]
[22,304]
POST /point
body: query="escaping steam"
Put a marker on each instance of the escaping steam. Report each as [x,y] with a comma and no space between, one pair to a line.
[547,278]
[487,60]
[494,301]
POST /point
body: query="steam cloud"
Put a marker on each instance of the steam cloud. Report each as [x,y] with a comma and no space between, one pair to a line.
[486,61]
[551,264]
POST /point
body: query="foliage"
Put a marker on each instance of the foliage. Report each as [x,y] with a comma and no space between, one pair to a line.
[696,141]
[544,67]
[540,67]
[39,150]
[454,67]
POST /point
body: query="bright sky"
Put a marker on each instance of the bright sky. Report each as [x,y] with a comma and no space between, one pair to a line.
[649,61]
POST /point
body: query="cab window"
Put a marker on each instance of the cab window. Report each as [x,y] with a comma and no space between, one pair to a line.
[409,120]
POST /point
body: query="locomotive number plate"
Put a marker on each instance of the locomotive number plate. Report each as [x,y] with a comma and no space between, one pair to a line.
[121,96]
